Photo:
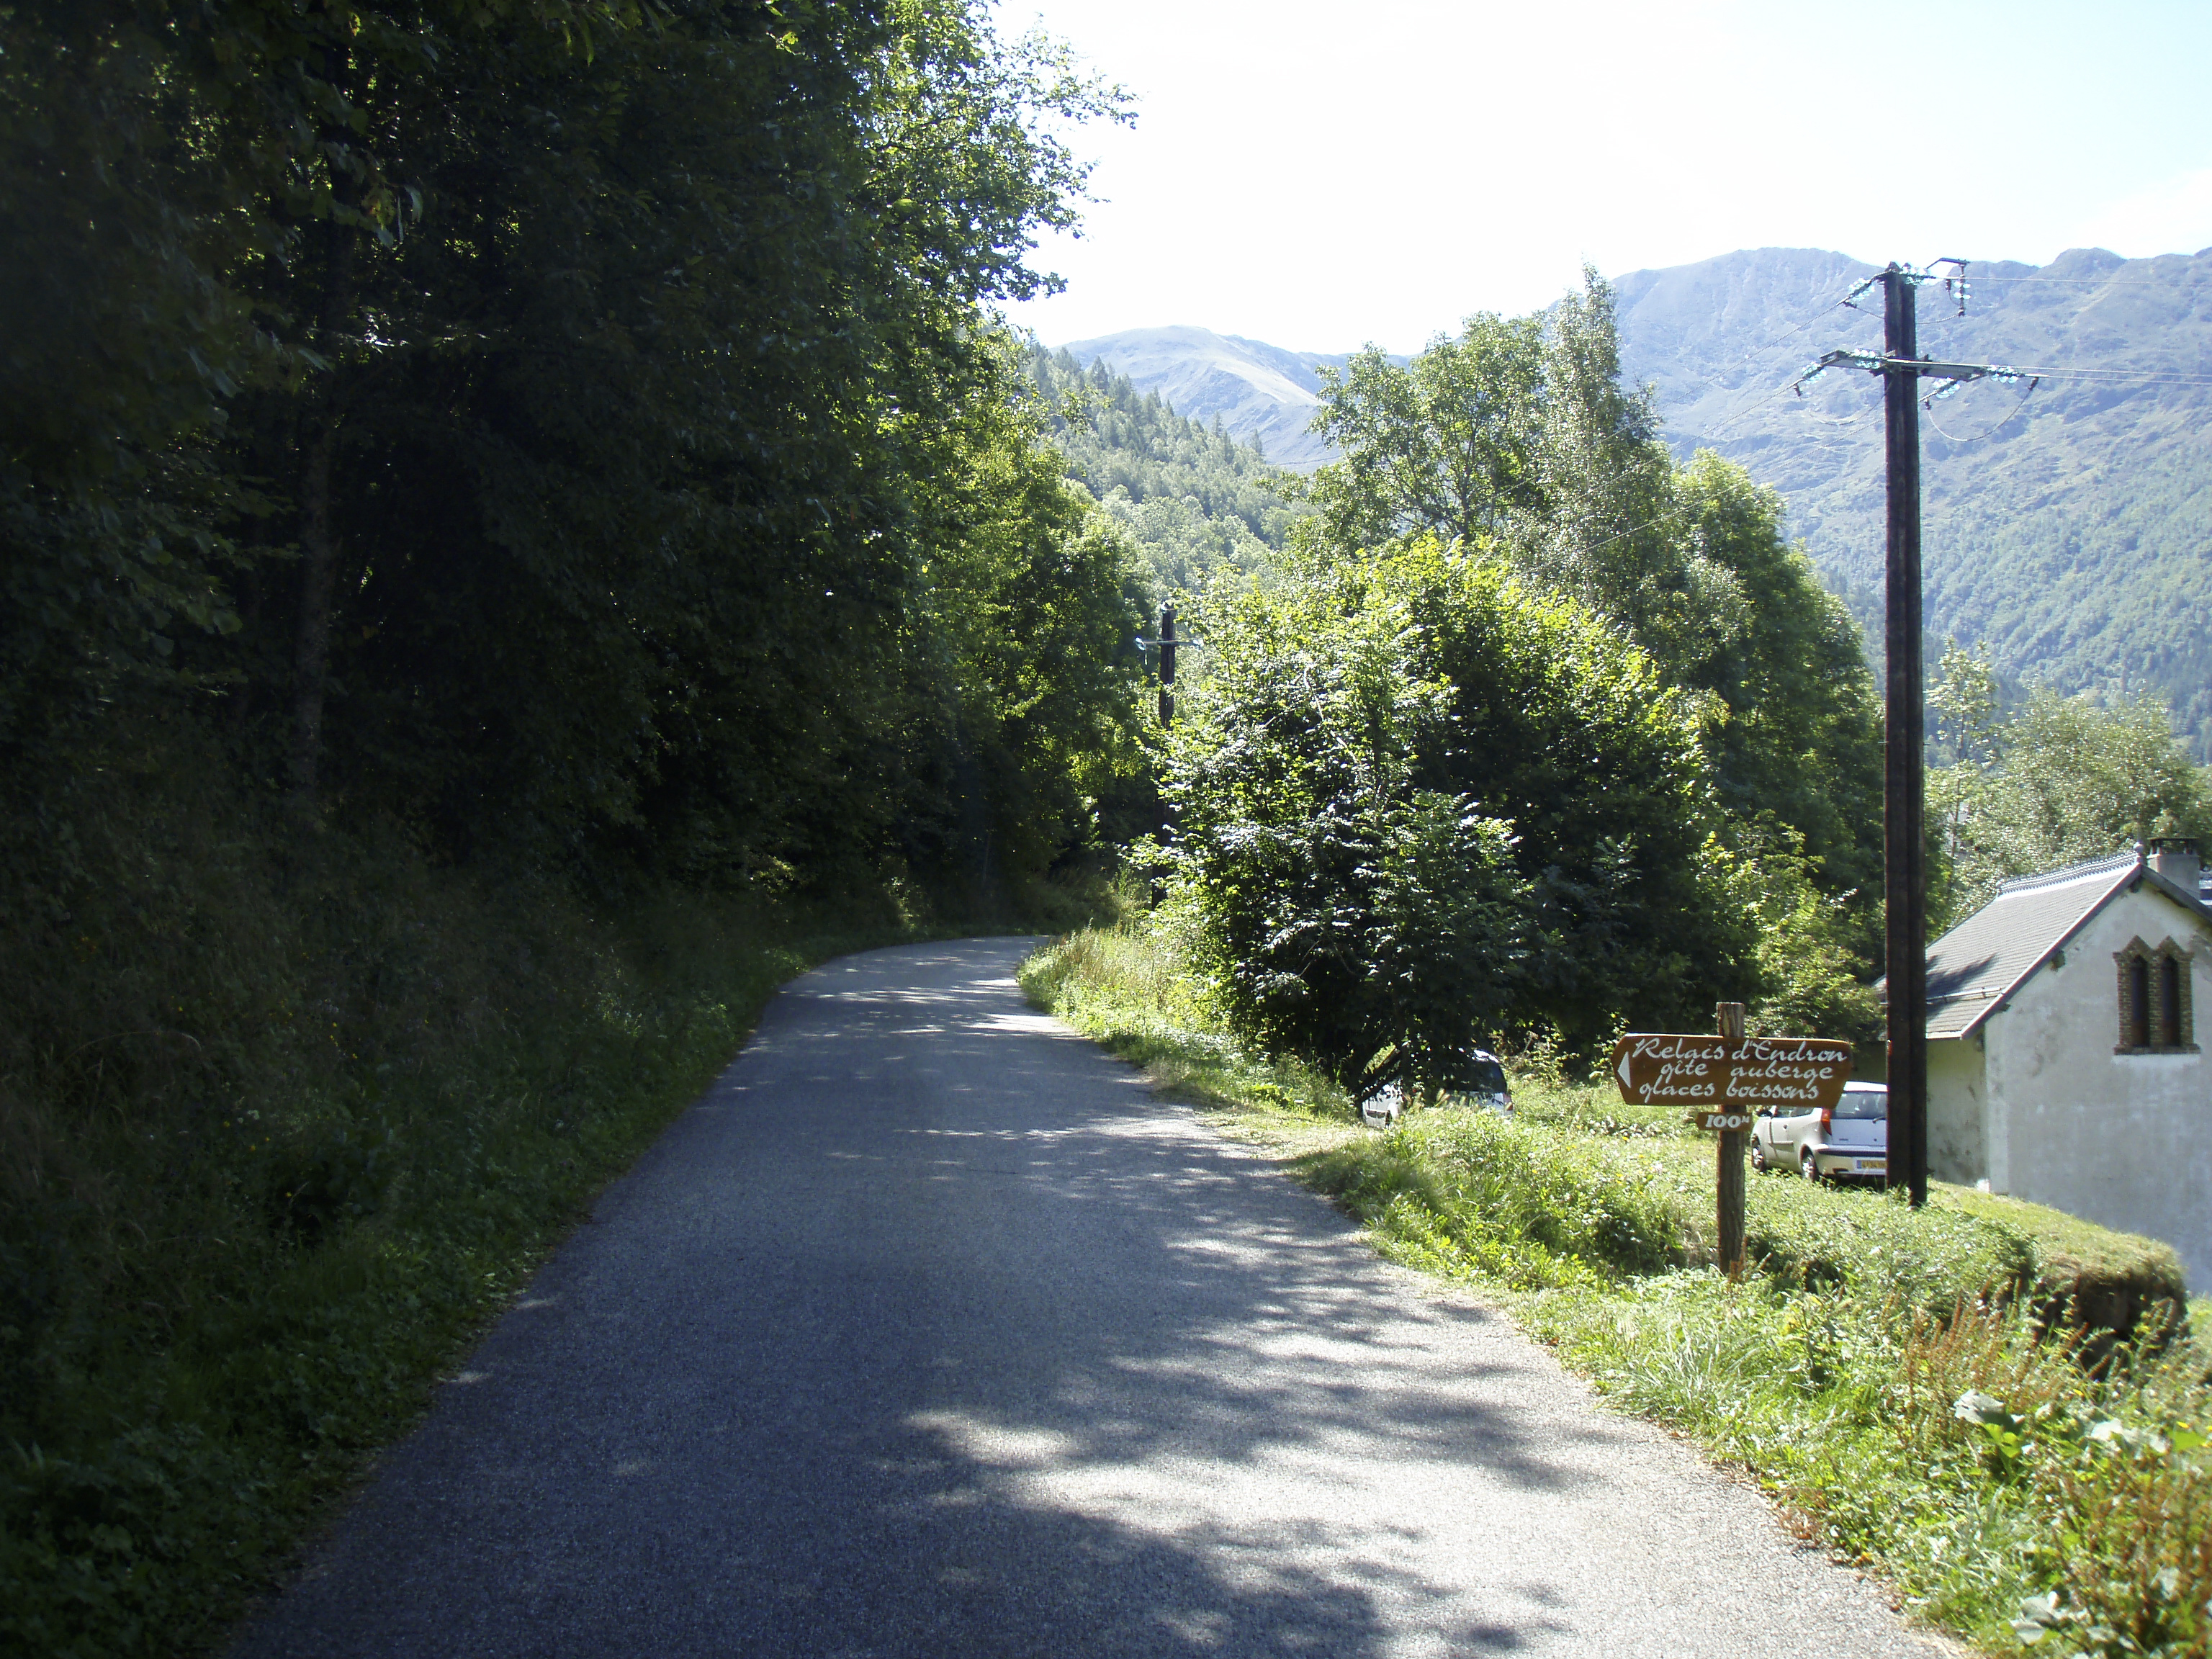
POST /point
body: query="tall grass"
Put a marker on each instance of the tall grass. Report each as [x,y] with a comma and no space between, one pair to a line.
[1123,985]
[1897,1379]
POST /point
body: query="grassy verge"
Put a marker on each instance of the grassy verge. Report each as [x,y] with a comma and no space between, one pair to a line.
[1892,1378]
[283,1120]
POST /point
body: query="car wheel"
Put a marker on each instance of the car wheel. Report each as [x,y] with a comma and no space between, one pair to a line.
[1807,1165]
[1758,1155]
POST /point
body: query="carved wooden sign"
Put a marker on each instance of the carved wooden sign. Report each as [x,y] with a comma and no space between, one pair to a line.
[1739,1075]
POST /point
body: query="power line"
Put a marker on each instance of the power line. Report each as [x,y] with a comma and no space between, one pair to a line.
[2027,391]
[1744,411]
[2090,281]
[2147,376]
[1787,334]
[1713,380]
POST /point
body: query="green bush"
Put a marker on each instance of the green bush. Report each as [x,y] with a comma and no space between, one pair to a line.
[1938,1259]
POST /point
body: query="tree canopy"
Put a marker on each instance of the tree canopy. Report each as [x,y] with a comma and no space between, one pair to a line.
[1517,438]
[571,425]
[1422,803]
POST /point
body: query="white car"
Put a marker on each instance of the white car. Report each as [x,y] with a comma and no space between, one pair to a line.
[1481,1083]
[1850,1142]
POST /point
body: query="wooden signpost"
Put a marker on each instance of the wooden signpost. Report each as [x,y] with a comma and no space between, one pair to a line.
[1729,1076]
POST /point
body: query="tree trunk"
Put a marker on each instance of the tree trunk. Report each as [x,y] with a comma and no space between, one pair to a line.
[318,546]
[319,565]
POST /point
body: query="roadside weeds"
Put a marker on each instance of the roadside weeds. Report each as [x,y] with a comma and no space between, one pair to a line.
[1903,1385]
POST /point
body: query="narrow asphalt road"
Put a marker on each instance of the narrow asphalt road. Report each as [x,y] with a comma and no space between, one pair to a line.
[928,1331]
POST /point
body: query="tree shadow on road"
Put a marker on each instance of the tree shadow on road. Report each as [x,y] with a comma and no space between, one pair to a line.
[930,1331]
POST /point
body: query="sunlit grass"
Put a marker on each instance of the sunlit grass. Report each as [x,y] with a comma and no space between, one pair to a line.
[1894,1379]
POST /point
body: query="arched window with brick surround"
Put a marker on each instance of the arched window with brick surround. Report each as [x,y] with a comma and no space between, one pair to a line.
[2155,1002]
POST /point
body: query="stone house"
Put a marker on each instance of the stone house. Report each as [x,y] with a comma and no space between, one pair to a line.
[2063,1061]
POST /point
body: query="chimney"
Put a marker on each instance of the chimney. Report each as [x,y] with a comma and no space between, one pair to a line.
[2176,859]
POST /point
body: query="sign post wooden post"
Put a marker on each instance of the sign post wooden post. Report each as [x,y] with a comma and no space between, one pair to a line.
[1727,1179]
[1733,1077]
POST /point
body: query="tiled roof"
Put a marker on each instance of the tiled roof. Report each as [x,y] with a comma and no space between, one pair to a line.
[1971,967]
[1981,962]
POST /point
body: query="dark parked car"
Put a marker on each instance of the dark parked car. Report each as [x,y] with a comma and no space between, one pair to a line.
[1850,1142]
[1482,1082]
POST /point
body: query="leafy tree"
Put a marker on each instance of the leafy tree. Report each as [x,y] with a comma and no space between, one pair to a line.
[1444,446]
[1518,439]
[1347,915]
[1965,703]
[2065,779]
[1546,794]
[1020,714]
[1797,740]
[1600,525]
[1569,731]
[1812,956]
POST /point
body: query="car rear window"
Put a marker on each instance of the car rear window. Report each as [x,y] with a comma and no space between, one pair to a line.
[1484,1077]
[1863,1105]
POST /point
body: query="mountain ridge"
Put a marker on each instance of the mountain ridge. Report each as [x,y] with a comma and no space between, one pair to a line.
[1263,394]
[2069,526]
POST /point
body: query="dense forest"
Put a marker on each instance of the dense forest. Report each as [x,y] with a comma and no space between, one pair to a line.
[507,510]
[478,425]
[1190,497]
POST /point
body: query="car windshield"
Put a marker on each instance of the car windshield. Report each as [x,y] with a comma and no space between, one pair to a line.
[1484,1077]
[1867,1104]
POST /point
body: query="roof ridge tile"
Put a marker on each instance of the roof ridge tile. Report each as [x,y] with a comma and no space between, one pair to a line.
[2096,866]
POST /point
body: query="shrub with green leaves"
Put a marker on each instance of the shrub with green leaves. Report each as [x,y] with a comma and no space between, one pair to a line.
[1419,804]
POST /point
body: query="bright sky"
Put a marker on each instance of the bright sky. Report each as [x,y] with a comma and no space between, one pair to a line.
[1322,175]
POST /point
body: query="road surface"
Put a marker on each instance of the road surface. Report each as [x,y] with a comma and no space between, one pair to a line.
[928,1331]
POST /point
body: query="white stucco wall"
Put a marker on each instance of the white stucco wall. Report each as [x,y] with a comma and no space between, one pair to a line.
[1957,1140]
[2122,1139]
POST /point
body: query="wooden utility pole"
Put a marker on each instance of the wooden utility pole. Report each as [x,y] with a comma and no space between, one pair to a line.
[1728,1178]
[1905,796]
[1905,875]
[1167,665]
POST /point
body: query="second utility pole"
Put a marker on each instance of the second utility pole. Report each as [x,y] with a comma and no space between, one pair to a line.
[1904,894]
[1904,847]
[1168,643]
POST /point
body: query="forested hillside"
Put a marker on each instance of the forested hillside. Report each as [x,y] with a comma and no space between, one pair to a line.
[2065,526]
[512,517]
[1192,498]
[1264,395]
